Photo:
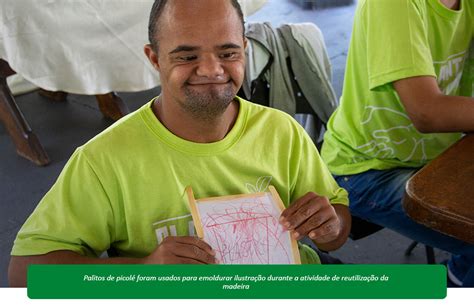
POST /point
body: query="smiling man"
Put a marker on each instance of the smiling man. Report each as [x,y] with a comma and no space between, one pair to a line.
[124,189]
[199,78]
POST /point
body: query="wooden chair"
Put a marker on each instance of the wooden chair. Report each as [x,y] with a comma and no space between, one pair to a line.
[26,142]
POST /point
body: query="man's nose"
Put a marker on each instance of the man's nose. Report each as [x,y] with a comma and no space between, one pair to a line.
[210,67]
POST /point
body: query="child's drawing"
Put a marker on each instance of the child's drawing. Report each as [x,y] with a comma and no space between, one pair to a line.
[244,229]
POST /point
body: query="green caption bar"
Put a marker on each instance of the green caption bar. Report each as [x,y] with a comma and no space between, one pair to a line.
[236,281]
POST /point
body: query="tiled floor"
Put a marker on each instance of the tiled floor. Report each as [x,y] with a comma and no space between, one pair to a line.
[62,127]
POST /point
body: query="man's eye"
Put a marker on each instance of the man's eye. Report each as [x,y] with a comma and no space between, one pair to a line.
[229,55]
[187,58]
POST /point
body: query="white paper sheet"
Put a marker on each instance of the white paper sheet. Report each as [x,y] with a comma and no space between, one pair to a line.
[245,230]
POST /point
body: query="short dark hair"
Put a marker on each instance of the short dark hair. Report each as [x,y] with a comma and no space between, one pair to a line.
[157,10]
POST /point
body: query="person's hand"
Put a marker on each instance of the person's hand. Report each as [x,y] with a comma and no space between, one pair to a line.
[313,216]
[182,250]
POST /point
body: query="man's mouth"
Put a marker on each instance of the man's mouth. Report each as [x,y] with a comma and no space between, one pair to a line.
[208,83]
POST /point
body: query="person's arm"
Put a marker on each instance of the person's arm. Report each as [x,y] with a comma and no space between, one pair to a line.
[173,250]
[328,225]
[432,111]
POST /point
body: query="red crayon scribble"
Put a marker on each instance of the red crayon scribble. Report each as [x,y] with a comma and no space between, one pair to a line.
[246,233]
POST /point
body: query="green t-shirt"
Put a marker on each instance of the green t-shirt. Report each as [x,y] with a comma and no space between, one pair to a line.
[393,40]
[126,187]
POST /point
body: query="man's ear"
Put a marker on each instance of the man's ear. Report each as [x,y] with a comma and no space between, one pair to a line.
[245,43]
[152,56]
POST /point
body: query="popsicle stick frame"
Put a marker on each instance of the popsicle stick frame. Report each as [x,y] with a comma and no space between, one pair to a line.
[244,229]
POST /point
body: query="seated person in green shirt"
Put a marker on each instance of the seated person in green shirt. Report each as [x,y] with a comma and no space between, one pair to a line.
[407,97]
[124,189]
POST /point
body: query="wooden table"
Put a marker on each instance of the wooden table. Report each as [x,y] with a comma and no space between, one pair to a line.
[441,195]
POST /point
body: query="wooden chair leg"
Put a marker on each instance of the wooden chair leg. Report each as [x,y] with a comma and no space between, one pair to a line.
[112,106]
[53,96]
[26,143]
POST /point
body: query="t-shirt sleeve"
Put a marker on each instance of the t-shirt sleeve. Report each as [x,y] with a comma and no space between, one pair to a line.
[397,42]
[312,174]
[74,215]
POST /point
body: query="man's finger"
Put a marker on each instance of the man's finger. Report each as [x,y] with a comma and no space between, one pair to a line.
[194,252]
[195,241]
[306,211]
[310,224]
[296,205]
[326,232]
[302,215]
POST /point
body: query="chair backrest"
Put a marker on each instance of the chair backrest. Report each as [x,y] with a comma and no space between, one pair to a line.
[260,93]
[271,51]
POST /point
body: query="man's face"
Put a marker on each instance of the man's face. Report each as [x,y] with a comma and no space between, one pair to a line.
[201,56]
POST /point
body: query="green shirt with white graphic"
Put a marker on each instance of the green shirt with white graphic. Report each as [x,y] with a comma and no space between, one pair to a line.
[393,40]
[126,187]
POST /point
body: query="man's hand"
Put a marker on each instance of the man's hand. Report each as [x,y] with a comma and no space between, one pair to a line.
[314,216]
[182,250]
